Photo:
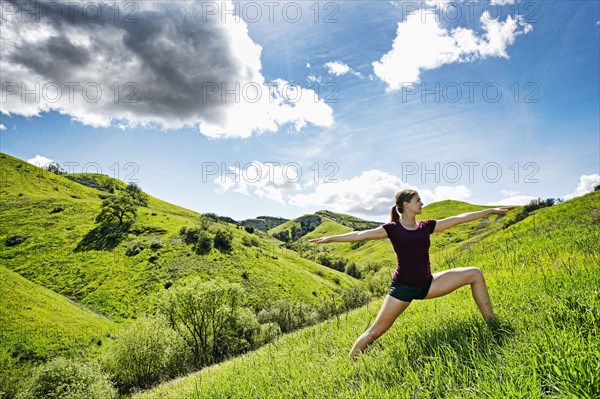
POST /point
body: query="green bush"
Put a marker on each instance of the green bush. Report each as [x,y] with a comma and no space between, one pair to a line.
[355,297]
[209,317]
[223,240]
[145,352]
[204,243]
[289,315]
[250,241]
[67,379]
[133,250]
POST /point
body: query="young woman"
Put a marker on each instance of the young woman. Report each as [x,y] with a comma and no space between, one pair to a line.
[412,278]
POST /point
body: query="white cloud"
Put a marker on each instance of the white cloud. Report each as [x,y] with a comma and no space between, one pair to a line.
[508,193]
[586,185]
[269,181]
[176,66]
[2,127]
[40,161]
[437,46]
[338,68]
[517,200]
[372,192]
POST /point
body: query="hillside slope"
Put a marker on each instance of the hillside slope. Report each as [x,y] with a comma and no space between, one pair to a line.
[38,324]
[63,251]
[543,274]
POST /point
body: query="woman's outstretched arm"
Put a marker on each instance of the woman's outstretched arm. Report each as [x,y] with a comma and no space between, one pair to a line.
[446,223]
[373,234]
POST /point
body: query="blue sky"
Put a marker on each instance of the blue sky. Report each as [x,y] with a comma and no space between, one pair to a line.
[498,101]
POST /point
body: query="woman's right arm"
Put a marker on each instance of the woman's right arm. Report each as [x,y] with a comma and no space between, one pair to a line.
[373,234]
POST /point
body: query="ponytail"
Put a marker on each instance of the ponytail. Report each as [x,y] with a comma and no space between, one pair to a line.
[401,197]
[395,216]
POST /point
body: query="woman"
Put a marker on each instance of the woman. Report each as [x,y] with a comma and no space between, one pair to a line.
[412,278]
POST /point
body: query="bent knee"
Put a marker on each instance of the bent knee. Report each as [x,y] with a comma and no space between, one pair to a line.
[475,274]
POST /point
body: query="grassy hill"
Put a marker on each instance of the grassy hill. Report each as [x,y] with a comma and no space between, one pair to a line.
[543,274]
[44,324]
[51,248]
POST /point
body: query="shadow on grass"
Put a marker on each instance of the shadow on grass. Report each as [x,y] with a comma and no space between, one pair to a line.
[103,238]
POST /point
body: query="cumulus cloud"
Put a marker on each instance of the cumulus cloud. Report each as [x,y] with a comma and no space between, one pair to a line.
[338,68]
[2,127]
[370,193]
[40,161]
[171,64]
[437,46]
[587,183]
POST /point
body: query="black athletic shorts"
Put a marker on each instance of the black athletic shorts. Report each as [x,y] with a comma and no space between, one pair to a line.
[407,293]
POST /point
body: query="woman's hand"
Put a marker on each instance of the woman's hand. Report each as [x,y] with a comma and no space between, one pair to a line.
[320,240]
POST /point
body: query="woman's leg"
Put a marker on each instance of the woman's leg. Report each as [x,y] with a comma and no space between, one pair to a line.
[447,281]
[388,313]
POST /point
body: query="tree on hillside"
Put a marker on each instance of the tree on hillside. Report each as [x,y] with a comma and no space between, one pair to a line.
[136,194]
[210,318]
[55,168]
[116,210]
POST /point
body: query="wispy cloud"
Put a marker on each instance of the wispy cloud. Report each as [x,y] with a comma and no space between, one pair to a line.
[338,68]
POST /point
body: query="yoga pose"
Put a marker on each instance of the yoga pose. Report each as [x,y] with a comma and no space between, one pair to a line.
[412,278]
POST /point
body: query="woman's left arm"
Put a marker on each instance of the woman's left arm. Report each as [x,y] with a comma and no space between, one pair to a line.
[446,223]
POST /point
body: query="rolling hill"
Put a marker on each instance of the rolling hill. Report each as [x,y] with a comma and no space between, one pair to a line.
[543,273]
[55,257]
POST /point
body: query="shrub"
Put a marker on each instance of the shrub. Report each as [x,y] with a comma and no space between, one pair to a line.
[133,250]
[156,244]
[223,240]
[352,270]
[190,235]
[355,297]
[204,243]
[154,257]
[289,315]
[250,241]
[204,314]
[249,229]
[67,379]
[146,352]
[14,240]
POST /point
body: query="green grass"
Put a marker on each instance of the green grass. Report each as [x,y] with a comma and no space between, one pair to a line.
[42,324]
[544,283]
[65,253]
